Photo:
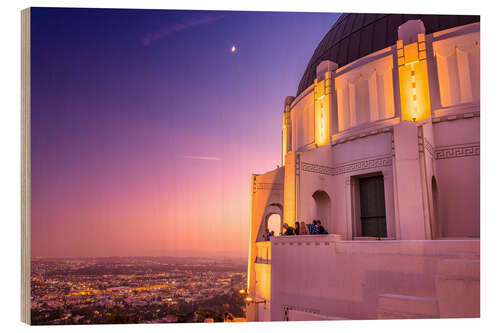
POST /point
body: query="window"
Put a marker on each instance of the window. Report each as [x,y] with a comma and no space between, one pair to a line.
[372,207]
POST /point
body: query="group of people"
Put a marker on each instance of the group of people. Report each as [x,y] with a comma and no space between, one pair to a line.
[314,228]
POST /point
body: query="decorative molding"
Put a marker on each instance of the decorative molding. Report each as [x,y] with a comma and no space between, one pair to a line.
[456,112]
[364,130]
[463,150]
[420,138]
[393,147]
[424,144]
[259,260]
[305,243]
[371,163]
[268,186]
[286,308]
[297,186]
[430,148]
[452,117]
[307,146]
[302,95]
[297,165]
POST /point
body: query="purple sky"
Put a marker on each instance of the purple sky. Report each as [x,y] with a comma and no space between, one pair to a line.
[146,128]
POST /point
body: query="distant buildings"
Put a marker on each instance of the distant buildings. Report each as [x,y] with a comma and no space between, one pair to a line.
[76,291]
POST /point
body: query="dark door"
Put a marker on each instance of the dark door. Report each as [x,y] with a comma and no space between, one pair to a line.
[372,204]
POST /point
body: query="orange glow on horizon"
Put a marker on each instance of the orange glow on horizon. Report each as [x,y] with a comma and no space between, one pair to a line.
[196,207]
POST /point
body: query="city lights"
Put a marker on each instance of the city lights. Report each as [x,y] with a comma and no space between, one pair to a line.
[143,290]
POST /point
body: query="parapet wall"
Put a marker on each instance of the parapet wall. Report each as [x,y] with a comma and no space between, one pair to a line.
[349,279]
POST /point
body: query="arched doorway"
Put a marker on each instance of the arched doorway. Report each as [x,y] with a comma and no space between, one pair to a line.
[322,209]
[274,223]
[436,227]
[272,219]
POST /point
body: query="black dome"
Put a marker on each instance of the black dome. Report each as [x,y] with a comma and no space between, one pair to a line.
[355,35]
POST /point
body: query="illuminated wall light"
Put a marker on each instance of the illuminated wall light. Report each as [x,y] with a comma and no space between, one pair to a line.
[414,109]
[284,135]
[413,80]
[321,122]
[321,115]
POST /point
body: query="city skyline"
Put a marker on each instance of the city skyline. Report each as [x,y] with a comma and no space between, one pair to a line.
[135,290]
[146,125]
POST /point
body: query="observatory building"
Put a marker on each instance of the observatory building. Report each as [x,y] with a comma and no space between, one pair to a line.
[381,144]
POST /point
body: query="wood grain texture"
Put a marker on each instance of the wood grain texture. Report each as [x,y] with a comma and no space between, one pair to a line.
[25,166]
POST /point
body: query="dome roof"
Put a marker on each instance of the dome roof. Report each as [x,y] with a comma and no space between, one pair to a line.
[356,35]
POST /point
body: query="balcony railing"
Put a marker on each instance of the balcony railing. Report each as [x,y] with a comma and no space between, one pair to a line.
[264,248]
[307,239]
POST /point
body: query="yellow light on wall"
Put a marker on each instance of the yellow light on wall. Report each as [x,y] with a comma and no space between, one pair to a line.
[284,142]
[321,115]
[413,80]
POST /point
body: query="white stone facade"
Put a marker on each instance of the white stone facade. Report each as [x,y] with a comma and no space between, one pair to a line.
[403,121]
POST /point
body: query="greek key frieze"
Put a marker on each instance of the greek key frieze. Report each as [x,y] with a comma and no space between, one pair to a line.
[346,168]
[465,150]
[268,186]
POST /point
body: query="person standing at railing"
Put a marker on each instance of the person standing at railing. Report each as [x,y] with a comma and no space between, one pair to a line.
[266,235]
[313,230]
[303,229]
[321,229]
[288,230]
[296,230]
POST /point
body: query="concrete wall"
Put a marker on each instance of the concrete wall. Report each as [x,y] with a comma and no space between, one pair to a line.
[332,170]
[302,119]
[263,281]
[458,180]
[457,54]
[365,90]
[346,278]
[266,199]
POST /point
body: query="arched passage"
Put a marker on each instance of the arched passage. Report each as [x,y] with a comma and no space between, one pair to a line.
[436,227]
[273,215]
[274,223]
[322,209]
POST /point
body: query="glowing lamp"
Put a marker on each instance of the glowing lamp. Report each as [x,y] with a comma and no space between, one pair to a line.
[413,80]
[285,144]
[250,300]
[321,115]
